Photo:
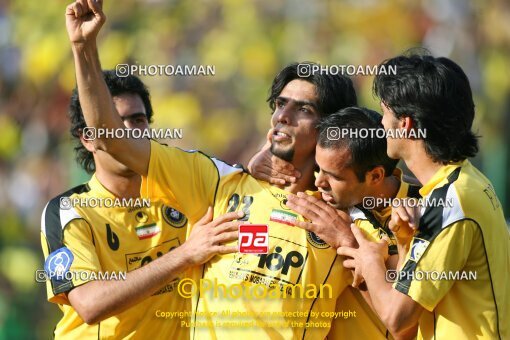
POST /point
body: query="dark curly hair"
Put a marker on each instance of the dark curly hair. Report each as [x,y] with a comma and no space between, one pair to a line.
[117,86]
[435,93]
[335,92]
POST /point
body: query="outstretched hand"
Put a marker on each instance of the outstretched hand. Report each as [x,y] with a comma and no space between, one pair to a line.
[208,237]
[84,19]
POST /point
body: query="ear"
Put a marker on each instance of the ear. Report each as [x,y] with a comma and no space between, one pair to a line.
[88,144]
[406,123]
[375,176]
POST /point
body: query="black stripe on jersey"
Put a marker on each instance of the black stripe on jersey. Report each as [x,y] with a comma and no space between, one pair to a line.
[431,225]
[314,300]
[54,232]
[413,191]
[490,279]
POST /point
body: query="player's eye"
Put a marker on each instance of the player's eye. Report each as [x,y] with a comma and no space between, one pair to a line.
[279,104]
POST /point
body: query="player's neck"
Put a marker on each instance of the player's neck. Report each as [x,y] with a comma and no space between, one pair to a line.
[306,181]
[387,189]
[421,164]
[120,185]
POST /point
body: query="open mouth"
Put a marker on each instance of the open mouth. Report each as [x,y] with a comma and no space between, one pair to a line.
[279,136]
[327,197]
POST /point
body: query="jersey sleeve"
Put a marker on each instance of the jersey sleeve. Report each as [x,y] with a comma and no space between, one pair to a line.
[424,276]
[75,254]
[185,180]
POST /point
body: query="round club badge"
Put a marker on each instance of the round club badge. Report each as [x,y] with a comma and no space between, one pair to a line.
[174,217]
[316,241]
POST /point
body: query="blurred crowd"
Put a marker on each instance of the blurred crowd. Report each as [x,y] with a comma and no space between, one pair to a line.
[226,114]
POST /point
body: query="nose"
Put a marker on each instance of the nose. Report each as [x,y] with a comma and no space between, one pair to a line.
[283,115]
[320,181]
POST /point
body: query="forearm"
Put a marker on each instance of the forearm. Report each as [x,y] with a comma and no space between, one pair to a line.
[387,301]
[95,99]
[98,300]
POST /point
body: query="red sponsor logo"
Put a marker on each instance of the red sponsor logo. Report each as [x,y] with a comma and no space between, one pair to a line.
[253,239]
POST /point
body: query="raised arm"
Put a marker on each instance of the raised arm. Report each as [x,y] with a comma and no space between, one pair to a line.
[84,19]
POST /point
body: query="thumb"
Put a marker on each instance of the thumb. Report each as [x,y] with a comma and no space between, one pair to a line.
[269,136]
[96,6]
[206,218]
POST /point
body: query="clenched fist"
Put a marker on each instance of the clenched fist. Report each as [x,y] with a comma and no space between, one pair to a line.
[84,19]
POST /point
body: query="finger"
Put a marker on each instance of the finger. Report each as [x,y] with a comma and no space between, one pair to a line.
[70,9]
[349,263]
[95,6]
[275,174]
[358,279]
[358,234]
[225,249]
[227,226]
[225,237]
[305,225]
[346,251]
[303,207]
[269,136]
[77,9]
[84,6]
[227,218]
[266,178]
[206,218]
[320,207]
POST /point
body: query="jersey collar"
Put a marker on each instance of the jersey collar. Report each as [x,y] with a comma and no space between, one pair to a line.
[98,189]
[440,176]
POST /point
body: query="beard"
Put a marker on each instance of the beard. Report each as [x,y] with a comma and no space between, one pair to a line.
[285,154]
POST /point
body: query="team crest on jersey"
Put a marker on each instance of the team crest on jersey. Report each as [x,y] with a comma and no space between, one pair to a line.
[58,263]
[316,241]
[141,217]
[418,248]
[174,217]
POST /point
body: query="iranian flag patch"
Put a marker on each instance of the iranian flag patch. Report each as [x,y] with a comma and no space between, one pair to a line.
[146,231]
[282,216]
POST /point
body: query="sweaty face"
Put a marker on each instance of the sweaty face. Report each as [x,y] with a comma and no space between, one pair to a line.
[337,181]
[294,120]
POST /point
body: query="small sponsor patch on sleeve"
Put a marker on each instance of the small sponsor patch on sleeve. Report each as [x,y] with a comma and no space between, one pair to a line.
[418,248]
[58,263]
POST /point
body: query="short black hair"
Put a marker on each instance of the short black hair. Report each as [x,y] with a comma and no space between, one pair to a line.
[334,91]
[117,86]
[435,93]
[366,153]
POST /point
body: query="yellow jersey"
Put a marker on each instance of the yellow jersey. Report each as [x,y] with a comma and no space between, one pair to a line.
[248,302]
[458,265]
[107,241]
[361,322]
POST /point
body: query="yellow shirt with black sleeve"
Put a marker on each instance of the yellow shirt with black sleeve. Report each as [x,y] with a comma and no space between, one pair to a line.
[458,265]
[99,242]
[296,260]
[360,321]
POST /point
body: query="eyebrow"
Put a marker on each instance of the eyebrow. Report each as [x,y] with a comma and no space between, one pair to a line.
[329,173]
[133,116]
[298,102]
